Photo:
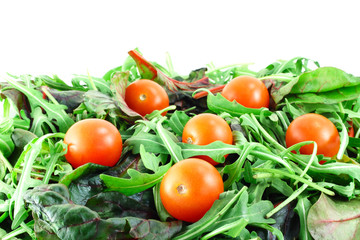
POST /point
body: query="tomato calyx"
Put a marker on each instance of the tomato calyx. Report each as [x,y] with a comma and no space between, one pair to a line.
[181,189]
[189,140]
[142,97]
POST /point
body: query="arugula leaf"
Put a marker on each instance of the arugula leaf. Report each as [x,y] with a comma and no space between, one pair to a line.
[54,111]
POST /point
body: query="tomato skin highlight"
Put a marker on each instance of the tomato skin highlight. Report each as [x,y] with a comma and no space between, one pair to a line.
[93,140]
[247,91]
[206,128]
[189,189]
[314,127]
[144,96]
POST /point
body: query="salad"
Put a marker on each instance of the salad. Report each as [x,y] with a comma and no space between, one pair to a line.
[269,173]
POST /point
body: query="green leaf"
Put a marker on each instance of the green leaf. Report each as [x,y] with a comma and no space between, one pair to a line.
[151,142]
[168,140]
[6,144]
[342,217]
[218,104]
[41,122]
[137,182]
[216,150]
[149,160]
[55,112]
[28,158]
[228,209]
[177,122]
[55,213]
[99,83]
[324,79]
[302,208]
[330,97]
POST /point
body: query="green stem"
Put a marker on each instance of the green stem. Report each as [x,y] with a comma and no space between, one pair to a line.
[275,231]
[6,162]
[266,135]
[295,177]
[274,158]
[282,77]
[4,216]
[211,221]
[250,73]
[35,175]
[287,201]
[91,82]
[237,226]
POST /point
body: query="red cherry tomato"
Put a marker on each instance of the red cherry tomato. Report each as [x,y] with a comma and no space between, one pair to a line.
[93,140]
[189,189]
[351,131]
[248,91]
[206,128]
[314,127]
[144,96]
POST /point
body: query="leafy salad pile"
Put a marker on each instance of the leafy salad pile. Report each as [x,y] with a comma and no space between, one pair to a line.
[270,191]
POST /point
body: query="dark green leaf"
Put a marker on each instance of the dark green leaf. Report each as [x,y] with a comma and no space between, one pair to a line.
[55,212]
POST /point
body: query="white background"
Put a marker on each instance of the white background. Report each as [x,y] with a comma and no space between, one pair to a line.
[81,37]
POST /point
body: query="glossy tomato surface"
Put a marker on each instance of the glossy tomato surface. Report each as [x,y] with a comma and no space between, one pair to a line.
[206,128]
[93,140]
[248,91]
[314,127]
[144,96]
[189,189]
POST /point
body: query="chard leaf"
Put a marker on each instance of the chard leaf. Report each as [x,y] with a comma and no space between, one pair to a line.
[330,97]
[70,98]
[119,83]
[55,213]
[84,182]
[324,79]
[342,217]
[115,204]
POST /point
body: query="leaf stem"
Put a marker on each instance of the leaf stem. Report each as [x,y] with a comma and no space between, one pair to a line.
[92,84]
[293,176]
[294,195]
[266,135]
[199,230]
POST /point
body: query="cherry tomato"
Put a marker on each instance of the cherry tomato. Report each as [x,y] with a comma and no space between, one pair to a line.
[93,140]
[144,96]
[204,129]
[189,189]
[351,131]
[248,91]
[314,127]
